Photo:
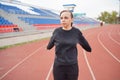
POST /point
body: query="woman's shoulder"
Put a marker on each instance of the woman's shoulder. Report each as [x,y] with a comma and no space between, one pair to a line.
[77,30]
[57,30]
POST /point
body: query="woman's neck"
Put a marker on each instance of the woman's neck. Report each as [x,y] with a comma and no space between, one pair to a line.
[67,28]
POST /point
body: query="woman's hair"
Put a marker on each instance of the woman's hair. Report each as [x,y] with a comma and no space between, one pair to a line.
[69,12]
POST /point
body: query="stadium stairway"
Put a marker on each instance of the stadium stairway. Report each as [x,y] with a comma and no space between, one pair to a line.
[14,19]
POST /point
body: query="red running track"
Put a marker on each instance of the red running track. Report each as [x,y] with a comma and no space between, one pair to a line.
[33,62]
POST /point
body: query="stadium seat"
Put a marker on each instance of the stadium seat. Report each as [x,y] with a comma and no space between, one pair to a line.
[6,26]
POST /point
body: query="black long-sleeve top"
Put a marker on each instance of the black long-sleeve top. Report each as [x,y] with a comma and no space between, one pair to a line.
[65,45]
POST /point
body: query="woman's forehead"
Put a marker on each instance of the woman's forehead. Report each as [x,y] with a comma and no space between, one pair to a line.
[65,14]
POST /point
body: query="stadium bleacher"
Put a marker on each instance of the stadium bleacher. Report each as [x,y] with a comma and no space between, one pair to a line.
[6,26]
[40,11]
[12,9]
[40,20]
[4,21]
[36,17]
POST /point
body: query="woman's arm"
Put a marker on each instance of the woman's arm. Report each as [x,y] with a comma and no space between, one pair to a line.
[84,43]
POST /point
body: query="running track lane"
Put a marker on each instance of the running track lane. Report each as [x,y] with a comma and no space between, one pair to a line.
[32,66]
[102,62]
[33,62]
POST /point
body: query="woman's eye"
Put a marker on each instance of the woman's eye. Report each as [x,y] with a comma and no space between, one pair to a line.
[61,18]
[66,17]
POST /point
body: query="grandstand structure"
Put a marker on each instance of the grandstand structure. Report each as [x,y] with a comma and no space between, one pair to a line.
[20,22]
[19,17]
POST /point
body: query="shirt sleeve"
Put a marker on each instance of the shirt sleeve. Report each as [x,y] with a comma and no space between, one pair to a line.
[83,42]
[51,42]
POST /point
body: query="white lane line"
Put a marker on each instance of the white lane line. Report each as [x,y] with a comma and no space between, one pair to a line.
[48,75]
[98,37]
[92,74]
[87,62]
[113,39]
[20,63]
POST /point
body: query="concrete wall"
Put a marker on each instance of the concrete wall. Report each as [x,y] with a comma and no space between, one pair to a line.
[24,38]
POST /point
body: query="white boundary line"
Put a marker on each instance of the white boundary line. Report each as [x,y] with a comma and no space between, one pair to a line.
[93,76]
[48,75]
[113,39]
[106,48]
[87,62]
[22,61]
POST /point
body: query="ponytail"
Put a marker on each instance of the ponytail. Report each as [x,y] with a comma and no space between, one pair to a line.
[71,23]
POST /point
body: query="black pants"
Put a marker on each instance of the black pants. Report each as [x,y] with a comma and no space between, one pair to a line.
[65,72]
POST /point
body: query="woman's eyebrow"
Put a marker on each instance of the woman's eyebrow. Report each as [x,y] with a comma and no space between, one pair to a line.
[64,17]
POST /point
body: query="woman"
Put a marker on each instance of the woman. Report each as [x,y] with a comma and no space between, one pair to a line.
[65,39]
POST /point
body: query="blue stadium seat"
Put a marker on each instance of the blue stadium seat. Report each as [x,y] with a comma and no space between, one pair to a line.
[50,12]
[4,21]
[12,9]
[42,13]
[40,20]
